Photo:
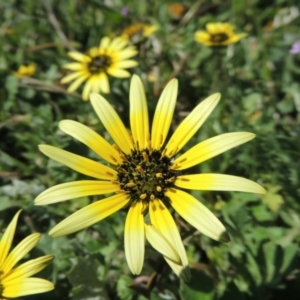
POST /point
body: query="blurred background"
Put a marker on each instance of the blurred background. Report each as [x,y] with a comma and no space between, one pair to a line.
[259,79]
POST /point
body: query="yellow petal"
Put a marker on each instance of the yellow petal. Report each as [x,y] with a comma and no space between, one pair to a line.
[202,37]
[103,84]
[162,220]
[7,238]
[75,189]
[134,239]
[235,38]
[75,85]
[105,41]
[139,121]
[191,124]
[197,215]
[71,77]
[218,182]
[127,53]
[118,43]
[112,122]
[213,28]
[164,114]
[27,269]
[160,244]
[79,57]
[210,148]
[88,88]
[78,163]
[124,64]
[91,139]
[90,215]
[181,271]
[27,286]
[119,73]
[74,67]
[20,251]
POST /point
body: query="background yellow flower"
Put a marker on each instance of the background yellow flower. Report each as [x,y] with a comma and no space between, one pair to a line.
[25,70]
[17,281]
[218,34]
[94,67]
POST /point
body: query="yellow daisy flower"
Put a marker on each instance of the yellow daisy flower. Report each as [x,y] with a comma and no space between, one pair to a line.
[17,282]
[110,58]
[25,71]
[146,175]
[139,30]
[218,34]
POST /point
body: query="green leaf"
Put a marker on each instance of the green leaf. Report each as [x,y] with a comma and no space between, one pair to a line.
[201,287]
[290,257]
[84,279]
[272,198]
[124,292]
[273,259]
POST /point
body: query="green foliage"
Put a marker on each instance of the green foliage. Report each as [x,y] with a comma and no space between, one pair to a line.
[259,82]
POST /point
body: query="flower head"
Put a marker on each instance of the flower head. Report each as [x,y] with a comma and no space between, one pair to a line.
[138,31]
[218,34]
[176,10]
[295,48]
[17,281]
[110,58]
[25,71]
[146,174]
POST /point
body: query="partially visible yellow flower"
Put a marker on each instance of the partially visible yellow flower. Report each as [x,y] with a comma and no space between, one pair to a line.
[17,281]
[94,67]
[25,71]
[176,10]
[218,34]
[146,175]
[139,30]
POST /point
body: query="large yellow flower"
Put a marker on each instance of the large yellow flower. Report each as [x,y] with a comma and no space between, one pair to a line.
[110,58]
[146,175]
[25,71]
[17,282]
[218,34]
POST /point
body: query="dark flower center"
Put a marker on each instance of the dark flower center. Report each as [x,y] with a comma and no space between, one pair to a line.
[99,64]
[219,37]
[146,175]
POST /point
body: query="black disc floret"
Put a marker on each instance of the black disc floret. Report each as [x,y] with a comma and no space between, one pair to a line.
[219,37]
[99,63]
[146,175]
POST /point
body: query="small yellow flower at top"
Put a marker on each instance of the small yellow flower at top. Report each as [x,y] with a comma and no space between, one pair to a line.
[110,58]
[17,281]
[139,30]
[25,70]
[218,34]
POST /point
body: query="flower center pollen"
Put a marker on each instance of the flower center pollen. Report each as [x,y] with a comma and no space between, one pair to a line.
[146,175]
[99,64]
[219,37]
